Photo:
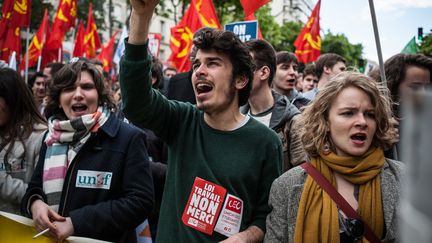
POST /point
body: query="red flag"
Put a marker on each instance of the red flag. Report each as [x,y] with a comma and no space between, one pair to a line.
[201,13]
[106,54]
[6,16]
[10,42]
[79,48]
[207,13]
[91,38]
[250,6]
[21,13]
[308,42]
[64,19]
[37,43]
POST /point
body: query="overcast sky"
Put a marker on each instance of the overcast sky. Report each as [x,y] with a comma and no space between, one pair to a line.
[398,21]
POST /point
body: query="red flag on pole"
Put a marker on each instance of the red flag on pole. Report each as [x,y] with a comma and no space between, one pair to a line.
[5,29]
[201,13]
[250,6]
[308,42]
[91,38]
[79,48]
[106,54]
[37,43]
[63,21]
[10,42]
[6,16]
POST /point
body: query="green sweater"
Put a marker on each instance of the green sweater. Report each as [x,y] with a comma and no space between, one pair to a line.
[244,161]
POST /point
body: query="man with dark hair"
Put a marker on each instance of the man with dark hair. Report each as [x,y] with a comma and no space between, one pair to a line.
[221,163]
[310,78]
[271,108]
[38,87]
[156,72]
[327,66]
[169,72]
[50,70]
[286,76]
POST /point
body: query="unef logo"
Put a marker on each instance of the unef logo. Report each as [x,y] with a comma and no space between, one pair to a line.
[234,204]
[93,179]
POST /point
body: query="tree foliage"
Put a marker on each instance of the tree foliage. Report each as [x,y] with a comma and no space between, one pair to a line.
[339,44]
[425,46]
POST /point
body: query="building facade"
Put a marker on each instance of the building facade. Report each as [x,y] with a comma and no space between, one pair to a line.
[291,10]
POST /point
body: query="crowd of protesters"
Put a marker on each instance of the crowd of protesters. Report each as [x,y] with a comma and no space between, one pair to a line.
[242,148]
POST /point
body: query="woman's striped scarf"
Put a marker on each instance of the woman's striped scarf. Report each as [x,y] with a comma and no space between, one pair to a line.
[64,139]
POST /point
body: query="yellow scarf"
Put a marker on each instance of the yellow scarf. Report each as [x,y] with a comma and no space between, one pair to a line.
[317,216]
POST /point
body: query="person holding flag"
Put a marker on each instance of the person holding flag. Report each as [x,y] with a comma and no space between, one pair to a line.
[221,163]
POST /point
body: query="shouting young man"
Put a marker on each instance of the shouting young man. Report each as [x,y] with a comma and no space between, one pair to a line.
[221,163]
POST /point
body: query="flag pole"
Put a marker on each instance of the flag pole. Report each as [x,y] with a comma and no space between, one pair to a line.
[74,33]
[380,59]
[74,39]
[39,63]
[378,44]
[27,55]
[59,53]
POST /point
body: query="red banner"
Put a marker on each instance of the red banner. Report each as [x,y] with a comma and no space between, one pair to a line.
[154,43]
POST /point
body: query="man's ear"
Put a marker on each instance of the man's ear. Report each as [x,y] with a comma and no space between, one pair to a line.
[241,82]
[264,73]
[327,70]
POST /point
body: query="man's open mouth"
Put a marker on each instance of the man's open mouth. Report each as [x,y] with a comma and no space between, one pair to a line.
[203,88]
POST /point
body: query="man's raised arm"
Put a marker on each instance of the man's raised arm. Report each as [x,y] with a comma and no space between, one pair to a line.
[142,12]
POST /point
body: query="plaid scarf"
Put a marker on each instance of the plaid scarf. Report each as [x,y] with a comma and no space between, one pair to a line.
[64,139]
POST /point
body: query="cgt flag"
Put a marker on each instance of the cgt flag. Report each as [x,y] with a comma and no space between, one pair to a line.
[308,42]
[201,13]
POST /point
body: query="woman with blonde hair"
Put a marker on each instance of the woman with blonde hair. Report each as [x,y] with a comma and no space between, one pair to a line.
[344,133]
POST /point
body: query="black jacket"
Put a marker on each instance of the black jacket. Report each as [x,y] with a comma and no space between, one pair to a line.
[107,214]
